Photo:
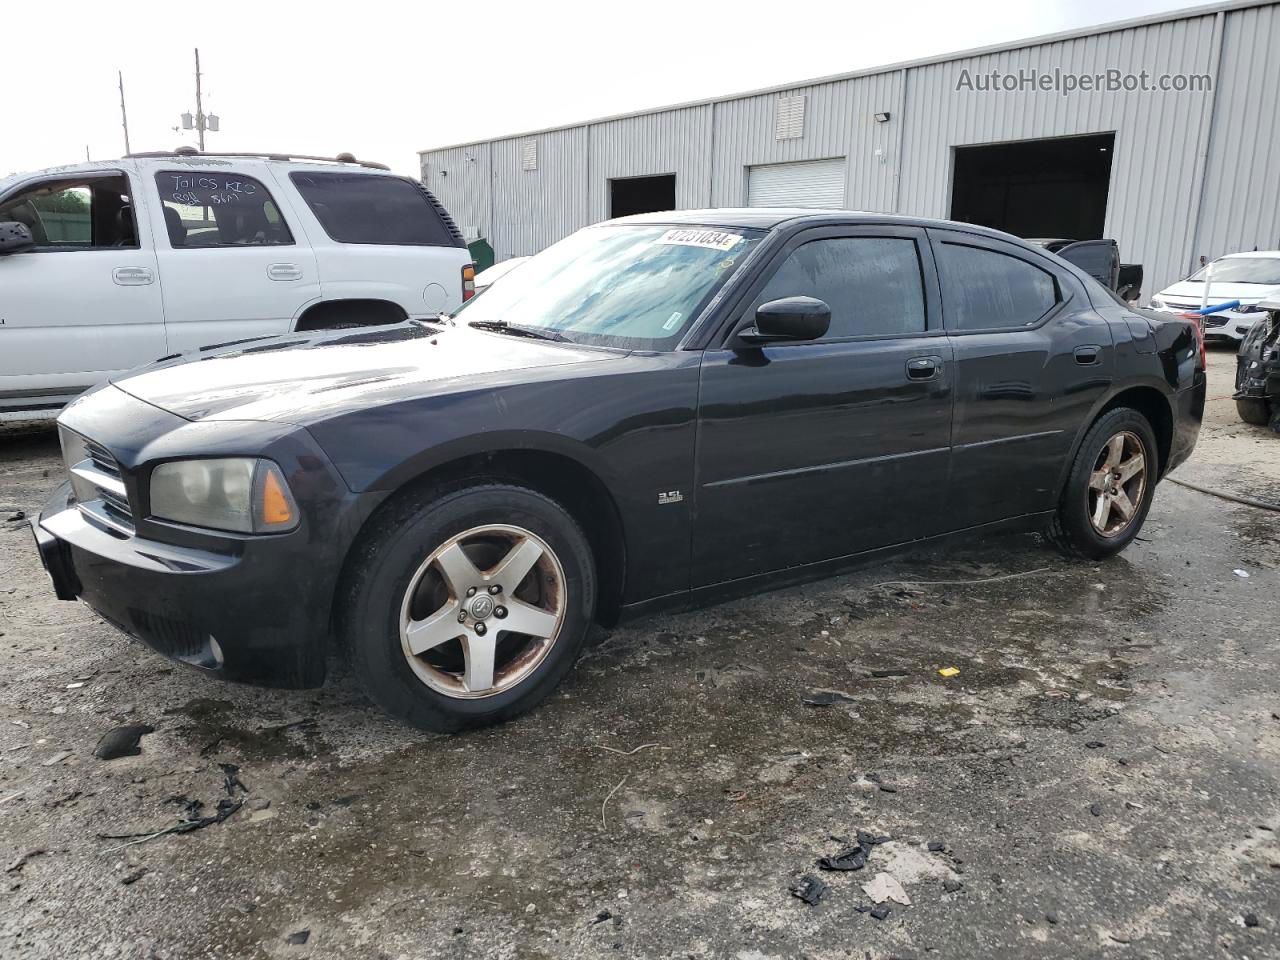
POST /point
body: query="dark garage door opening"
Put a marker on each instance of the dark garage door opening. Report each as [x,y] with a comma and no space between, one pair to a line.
[1036,188]
[632,195]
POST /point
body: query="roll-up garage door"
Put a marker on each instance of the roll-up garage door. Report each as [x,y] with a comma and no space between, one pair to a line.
[813,183]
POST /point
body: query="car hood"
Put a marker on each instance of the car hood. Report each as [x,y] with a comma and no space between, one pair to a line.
[1187,292]
[303,378]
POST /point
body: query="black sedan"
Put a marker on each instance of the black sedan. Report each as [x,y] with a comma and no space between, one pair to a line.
[657,410]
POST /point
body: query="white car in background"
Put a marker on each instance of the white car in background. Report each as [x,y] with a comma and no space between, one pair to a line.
[106,266]
[1247,277]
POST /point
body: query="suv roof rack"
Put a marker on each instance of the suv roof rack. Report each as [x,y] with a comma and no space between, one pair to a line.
[188,151]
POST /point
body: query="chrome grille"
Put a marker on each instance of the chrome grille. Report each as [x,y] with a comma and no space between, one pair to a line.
[98,483]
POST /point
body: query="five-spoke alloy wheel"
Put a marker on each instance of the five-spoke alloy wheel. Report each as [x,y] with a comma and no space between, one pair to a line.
[468,606]
[1109,487]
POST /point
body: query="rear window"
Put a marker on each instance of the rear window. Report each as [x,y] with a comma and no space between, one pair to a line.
[215,209]
[368,208]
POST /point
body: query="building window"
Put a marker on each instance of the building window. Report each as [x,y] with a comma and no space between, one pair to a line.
[788,119]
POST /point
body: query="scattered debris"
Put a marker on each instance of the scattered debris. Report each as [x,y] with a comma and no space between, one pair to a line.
[854,859]
[57,758]
[1095,745]
[809,889]
[231,781]
[226,807]
[122,741]
[131,878]
[884,886]
[1250,919]
[13,796]
[825,698]
[951,886]
[299,938]
[887,788]
[626,753]
[21,862]
[603,822]
[883,674]
[949,671]
[1095,809]
[880,912]
[1242,574]
[17,515]
[936,846]
[601,917]
[1051,919]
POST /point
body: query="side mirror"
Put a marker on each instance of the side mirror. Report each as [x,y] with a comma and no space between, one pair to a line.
[14,237]
[791,318]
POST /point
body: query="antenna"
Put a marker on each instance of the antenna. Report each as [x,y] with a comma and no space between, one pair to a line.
[124,117]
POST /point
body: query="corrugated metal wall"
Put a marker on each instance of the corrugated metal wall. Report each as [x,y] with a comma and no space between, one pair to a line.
[1171,148]
[1241,205]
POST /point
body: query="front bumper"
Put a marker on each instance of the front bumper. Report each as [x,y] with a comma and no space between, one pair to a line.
[232,614]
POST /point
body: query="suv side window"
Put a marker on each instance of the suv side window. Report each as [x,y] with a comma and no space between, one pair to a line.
[203,209]
[85,213]
[988,290]
[372,208]
[874,285]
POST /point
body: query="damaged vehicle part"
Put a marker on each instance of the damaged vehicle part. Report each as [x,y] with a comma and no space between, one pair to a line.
[1257,393]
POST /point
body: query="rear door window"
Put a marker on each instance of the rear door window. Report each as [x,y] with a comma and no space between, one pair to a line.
[214,209]
[370,208]
[988,290]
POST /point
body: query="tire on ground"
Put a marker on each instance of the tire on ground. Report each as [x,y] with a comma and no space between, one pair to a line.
[1253,410]
[1070,530]
[390,555]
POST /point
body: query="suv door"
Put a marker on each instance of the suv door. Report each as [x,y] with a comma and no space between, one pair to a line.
[1032,359]
[231,265]
[816,450]
[84,303]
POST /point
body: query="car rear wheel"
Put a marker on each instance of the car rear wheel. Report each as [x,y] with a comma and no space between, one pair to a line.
[1109,488]
[469,609]
[1254,410]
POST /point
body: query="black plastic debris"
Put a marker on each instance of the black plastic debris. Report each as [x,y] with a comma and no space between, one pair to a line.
[883,674]
[18,515]
[809,889]
[1095,745]
[936,846]
[231,781]
[825,698]
[298,938]
[192,822]
[601,917]
[1250,919]
[1051,919]
[880,911]
[854,859]
[122,741]
[887,788]
[1095,809]
[869,840]
[131,878]
[950,885]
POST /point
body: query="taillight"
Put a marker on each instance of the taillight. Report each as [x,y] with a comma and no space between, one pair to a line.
[468,282]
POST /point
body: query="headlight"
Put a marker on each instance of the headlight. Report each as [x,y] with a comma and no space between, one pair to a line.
[242,494]
[1249,308]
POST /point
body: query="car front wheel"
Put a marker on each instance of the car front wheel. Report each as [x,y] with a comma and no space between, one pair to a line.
[471,608]
[1110,487]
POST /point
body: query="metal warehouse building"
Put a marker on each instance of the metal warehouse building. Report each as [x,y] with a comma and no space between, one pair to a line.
[1185,169]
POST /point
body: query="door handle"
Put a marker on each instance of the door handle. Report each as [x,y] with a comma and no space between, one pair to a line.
[1088,355]
[133,276]
[923,368]
[284,271]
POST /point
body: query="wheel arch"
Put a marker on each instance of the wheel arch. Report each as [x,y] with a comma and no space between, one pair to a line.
[349,312]
[1148,399]
[566,479]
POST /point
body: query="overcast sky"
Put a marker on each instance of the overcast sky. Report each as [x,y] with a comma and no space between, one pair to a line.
[385,80]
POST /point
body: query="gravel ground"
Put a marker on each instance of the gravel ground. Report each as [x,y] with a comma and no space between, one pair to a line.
[1099,779]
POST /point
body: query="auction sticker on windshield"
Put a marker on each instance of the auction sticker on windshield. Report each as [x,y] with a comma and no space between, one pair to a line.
[711,239]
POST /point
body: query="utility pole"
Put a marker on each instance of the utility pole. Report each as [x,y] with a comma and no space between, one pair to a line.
[199,106]
[124,117]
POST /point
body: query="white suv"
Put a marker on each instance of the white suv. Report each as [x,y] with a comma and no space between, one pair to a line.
[156,254]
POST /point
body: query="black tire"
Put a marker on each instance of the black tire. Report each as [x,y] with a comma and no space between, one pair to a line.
[1071,529]
[1254,410]
[390,557]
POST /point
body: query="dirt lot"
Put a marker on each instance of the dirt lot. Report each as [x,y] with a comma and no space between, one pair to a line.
[1103,774]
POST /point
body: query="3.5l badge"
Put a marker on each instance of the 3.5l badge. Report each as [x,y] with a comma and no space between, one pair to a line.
[670,496]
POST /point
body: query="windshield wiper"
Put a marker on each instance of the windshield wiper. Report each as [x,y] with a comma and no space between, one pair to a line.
[518,330]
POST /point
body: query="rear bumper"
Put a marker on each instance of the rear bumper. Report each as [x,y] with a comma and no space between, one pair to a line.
[1188,413]
[257,613]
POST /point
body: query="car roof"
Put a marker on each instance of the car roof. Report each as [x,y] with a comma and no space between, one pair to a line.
[1273,254]
[767,218]
[159,158]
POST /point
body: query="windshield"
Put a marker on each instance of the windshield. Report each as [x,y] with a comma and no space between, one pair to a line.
[635,287]
[1242,270]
